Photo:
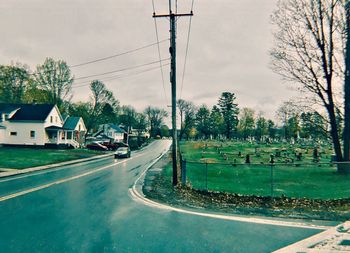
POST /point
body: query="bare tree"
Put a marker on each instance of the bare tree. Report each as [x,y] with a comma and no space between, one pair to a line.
[309,50]
[155,117]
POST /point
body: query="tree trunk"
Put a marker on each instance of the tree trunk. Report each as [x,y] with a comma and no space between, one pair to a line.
[334,133]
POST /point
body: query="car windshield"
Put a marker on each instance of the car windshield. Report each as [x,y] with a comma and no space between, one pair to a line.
[123,149]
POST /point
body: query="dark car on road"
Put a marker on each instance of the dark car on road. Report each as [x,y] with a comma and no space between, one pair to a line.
[122,152]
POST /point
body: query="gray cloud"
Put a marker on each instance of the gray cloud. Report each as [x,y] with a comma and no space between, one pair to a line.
[228,50]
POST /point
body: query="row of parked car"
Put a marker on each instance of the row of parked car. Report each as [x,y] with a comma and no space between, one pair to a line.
[121,149]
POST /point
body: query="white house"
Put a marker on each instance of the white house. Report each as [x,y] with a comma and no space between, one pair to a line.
[113,132]
[35,124]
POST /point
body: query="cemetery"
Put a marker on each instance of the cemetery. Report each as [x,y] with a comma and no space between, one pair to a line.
[297,170]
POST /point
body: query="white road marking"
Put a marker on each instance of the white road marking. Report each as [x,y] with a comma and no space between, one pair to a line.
[137,196]
[17,194]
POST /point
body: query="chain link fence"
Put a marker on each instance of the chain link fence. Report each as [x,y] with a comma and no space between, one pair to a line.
[299,180]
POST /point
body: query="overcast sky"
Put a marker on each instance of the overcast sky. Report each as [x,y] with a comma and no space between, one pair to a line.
[228,51]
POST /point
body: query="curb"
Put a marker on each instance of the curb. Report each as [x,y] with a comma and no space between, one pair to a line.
[50,166]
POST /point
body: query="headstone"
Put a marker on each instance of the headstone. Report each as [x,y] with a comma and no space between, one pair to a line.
[247,158]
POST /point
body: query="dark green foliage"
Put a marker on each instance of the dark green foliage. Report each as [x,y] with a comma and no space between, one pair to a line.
[203,122]
[14,82]
[229,112]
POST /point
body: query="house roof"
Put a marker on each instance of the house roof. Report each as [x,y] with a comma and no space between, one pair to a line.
[7,108]
[116,128]
[27,112]
[71,123]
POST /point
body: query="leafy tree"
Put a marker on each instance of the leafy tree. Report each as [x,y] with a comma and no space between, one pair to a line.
[229,112]
[271,129]
[102,107]
[56,79]
[14,82]
[246,123]
[216,122]
[35,95]
[164,131]
[108,114]
[262,127]
[187,116]
[313,125]
[293,126]
[309,50]
[203,121]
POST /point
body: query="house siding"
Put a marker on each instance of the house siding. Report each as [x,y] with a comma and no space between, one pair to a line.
[56,118]
[2,135]
[23,134]
[23,130]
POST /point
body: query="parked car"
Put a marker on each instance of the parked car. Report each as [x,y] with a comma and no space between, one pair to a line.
[122,152]
[114,146]
[96,146]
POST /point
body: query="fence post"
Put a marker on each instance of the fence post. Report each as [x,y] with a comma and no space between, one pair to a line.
[183,172]
[206,175]
[271,179]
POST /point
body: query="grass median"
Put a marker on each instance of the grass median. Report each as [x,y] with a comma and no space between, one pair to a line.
[21,158]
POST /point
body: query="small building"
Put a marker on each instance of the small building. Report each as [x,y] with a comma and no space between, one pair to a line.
[37,125]
[75,129]
[113,132]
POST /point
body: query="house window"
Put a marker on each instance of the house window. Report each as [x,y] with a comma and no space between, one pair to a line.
[13,133]
[79,128]
[32,134]
[56,119]
[51,119]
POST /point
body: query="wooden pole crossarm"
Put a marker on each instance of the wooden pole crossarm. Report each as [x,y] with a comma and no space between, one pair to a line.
[172,15]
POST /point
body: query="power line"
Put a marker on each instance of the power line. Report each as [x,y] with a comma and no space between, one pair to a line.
[187,45]
[109,57]
[120,70]
[117,55]
[109,78]
[159,55]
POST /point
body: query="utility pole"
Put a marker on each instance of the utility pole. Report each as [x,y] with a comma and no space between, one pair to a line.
[172,16]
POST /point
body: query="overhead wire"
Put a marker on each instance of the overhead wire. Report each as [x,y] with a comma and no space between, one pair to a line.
[120,70]
[186,52]
[120,54]
[112,56]
[109,78]
[159,54]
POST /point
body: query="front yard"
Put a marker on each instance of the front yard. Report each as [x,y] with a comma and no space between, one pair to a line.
[21,158]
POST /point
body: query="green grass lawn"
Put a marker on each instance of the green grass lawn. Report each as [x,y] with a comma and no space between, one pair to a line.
[207,169]
[20,158]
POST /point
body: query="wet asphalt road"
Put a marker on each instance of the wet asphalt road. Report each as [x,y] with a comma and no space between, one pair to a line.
[95,213]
